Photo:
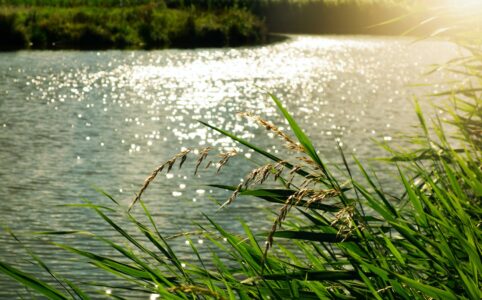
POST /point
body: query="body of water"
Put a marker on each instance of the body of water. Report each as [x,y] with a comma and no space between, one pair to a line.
[73,120]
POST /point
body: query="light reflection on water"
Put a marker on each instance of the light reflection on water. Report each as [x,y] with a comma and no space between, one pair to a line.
[70,120]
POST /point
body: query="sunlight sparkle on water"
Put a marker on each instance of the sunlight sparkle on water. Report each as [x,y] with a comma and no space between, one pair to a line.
[154,296]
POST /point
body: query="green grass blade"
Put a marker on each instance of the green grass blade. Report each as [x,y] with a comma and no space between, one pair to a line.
[313,276]
[302,138]
[314,236]
[431,291]
[31,282]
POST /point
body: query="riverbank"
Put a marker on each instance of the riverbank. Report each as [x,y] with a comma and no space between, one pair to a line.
[136,27]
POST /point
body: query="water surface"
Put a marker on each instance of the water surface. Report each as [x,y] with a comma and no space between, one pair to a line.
[72,120]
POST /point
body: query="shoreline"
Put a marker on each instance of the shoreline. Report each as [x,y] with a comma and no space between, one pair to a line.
[271,39]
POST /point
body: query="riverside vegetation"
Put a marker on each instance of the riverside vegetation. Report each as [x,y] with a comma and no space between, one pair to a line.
[147,24]
[150,25]
[350,239]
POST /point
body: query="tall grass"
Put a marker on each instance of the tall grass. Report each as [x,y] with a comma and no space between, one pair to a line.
[343,236]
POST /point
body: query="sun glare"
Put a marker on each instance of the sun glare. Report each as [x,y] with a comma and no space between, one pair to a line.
[465,5]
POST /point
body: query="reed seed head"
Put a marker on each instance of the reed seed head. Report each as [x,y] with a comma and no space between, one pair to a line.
[182,156]
[290,143]
[225,158]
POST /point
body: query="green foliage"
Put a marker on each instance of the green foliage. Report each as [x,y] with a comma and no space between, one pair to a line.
[146,26]
[31,282]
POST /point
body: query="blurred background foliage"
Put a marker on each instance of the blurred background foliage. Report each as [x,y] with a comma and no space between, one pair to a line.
[96,24]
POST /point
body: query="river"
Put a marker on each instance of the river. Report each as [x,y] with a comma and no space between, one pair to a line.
[71,121]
